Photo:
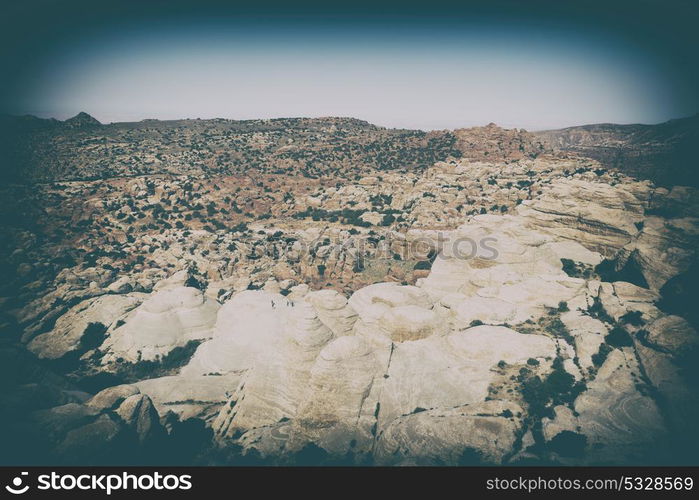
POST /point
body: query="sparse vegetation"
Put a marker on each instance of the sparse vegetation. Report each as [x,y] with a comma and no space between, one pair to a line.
[618,337]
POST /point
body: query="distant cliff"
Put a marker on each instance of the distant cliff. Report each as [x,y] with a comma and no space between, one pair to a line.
[664,153]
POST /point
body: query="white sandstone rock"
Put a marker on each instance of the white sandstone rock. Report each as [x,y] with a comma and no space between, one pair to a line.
[167,319]
[672,334]
[443,372]
[67,334]
[469,435]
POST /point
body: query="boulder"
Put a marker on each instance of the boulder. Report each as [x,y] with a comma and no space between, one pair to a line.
[453,370]
[410,322]
[488,310]
[68,334]
[622,424]
[371,302]
[474,434]
[672,334]
[111,397]
[139,414]
[168,318]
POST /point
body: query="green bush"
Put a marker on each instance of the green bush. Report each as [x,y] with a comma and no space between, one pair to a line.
[93,336]
[634,318]
[559,387]
[388,219]
[165,365]
[568,444]
[618,337]
[423,265]
[596,310]
[600,357]
[557,328]
[358,265]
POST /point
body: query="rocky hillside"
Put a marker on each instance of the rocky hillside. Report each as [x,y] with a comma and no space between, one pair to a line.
[514,307]
[663,153]
[82,148]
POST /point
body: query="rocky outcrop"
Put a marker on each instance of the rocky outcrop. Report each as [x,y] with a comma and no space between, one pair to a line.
[81,120]
[494,143]
[664,248]
[390,373]
[116,423]
[509,311]
[599,216]
[169,318]
[672,334]
[620,422]
[658,152]
[465,435]
[71,331]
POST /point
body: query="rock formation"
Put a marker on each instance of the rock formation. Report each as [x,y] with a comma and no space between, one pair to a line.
[500,308]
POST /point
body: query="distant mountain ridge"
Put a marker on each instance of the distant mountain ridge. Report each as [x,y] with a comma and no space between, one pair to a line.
[664,153]
[80,147]
[82,120]
[32,123]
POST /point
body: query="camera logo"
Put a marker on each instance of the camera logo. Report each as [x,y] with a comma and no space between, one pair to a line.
[16,488]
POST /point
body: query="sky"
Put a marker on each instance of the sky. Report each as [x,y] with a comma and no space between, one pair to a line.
[533,65]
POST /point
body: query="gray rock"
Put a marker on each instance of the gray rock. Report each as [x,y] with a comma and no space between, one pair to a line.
[112,397]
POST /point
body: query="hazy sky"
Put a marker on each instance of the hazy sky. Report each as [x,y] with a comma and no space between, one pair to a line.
[410,71]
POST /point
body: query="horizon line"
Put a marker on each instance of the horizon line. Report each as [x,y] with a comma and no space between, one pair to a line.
[324,117]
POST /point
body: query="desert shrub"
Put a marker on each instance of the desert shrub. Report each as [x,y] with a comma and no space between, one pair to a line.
[536,398]
[600,357]
[576,269]
[358,265]
[568,444]
[609,270]
[423,265]
[388,219]
[678,295]
[93,336]
[559,387]
[557,328]
[634,318]
[618,337]
[240,228]
[165,365]
[560,384]
[596,310]
[193,282]
[470,457]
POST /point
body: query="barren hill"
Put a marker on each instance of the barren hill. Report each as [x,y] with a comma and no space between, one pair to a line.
[663,153]
[81,148]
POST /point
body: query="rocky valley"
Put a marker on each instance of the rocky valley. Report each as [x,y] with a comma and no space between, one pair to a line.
[326,291]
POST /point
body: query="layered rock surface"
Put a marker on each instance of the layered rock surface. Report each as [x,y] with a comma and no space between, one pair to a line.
[517,333]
